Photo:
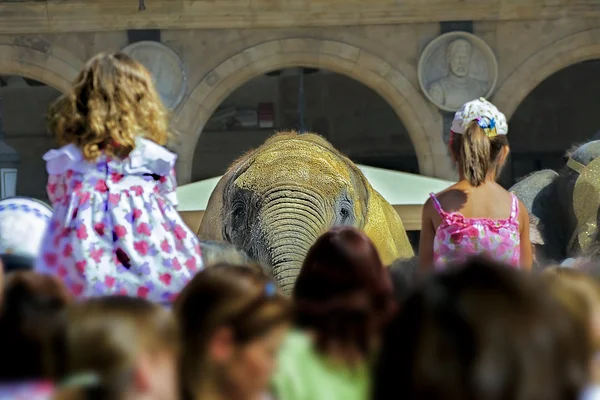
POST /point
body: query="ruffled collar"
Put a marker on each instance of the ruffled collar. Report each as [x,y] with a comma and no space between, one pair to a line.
[147,158]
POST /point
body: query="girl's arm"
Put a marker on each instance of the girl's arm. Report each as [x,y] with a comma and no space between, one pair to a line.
[526,250]
[427,236]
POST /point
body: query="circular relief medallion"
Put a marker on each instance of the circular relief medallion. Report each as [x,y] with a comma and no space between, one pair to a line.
[166,68]
[455,68]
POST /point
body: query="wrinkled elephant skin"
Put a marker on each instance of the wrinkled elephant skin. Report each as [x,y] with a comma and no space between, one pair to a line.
[274,202]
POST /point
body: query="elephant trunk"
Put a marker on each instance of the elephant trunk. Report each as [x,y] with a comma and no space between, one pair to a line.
[292,221]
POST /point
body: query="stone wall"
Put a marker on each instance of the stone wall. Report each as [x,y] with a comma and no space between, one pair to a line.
[531,40]
[41,16]
[559,112]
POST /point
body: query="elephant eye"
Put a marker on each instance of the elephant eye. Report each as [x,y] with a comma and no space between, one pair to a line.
[344,212]
[345,215]
[238,210]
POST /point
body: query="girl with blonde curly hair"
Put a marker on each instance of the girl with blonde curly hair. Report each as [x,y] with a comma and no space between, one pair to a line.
[115,228]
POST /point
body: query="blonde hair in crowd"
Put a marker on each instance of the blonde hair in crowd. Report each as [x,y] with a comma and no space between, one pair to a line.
[105,337]
[477,154]
[578,291]
[113,100]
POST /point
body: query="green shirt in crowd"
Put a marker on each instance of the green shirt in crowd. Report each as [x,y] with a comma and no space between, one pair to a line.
[305,374]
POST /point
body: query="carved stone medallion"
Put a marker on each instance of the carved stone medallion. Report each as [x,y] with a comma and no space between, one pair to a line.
[455,68]
[166,68]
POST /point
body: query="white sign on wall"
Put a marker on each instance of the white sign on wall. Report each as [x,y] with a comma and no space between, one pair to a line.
[8,182]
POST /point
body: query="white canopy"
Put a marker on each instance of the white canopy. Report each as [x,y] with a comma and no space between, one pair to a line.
[398,188]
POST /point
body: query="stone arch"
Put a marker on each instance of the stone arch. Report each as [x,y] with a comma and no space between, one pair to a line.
[555,56]
[422,122]
[42,61]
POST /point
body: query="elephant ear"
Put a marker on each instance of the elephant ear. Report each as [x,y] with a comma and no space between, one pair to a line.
[211,227]
[385,228]
[586,202]
[534,193]
[381,223]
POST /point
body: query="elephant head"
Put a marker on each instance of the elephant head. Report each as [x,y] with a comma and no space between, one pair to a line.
[563,206]
[275,201]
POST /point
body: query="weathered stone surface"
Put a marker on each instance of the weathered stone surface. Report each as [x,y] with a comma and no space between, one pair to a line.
[110,15]
[378,43]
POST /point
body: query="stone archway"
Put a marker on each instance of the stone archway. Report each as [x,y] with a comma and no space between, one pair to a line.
[422,122]
[542,64]
[42,62]
[35,58]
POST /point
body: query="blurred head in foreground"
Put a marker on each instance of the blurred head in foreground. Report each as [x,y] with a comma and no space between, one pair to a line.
[233,321]
[30,313]
[482,332]
[579,292]
[344,294]
[117,348]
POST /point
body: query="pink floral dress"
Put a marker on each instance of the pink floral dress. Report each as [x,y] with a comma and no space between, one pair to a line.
[458,238]
[115,229]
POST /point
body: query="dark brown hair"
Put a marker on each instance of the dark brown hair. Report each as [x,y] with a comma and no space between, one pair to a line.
[343,291]
[477,154]
[105,336]
[482,332]
[32,311]
[113,100]
[239,297]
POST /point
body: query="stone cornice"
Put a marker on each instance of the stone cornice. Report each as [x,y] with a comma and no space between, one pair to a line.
[109,15]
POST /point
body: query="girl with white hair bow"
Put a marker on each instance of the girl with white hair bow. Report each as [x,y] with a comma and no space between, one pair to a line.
[476,216]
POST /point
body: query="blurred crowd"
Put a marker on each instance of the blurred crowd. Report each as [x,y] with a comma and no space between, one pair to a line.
[353,329]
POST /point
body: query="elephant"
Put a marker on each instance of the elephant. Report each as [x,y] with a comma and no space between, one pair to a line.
[563,206]
[275,201]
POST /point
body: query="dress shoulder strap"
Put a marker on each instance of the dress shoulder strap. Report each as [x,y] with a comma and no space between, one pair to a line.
[514,210]
[437,205]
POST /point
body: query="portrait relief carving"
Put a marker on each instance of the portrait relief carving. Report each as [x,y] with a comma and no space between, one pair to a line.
[166,68]
[455,68]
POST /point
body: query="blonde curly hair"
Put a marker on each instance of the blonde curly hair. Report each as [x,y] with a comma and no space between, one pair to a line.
[113,101]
